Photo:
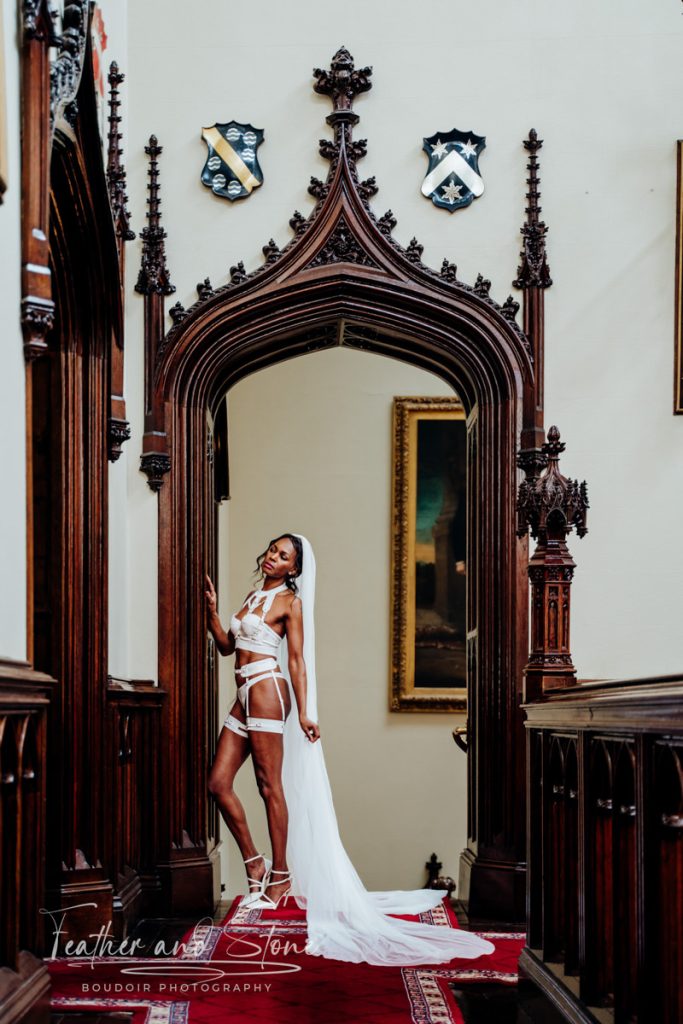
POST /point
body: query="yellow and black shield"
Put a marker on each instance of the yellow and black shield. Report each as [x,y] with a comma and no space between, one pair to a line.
[232,169]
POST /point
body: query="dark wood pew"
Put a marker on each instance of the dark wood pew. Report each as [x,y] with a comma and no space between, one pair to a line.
[605,850]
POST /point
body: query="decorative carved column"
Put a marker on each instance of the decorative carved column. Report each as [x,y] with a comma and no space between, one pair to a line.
[48,90]
[154,282]
[550,505]
[119,428]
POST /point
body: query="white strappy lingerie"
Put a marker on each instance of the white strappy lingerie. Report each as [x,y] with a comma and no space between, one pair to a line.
[252,633]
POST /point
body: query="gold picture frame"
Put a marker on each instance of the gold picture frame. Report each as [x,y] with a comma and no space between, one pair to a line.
[4,153]
[678,291]
[428,640]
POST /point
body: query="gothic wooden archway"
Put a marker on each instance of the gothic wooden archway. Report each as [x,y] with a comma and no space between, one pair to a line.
[342,280]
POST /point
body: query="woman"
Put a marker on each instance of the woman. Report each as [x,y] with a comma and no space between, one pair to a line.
[344,921]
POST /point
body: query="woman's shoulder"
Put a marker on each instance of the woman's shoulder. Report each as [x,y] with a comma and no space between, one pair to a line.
[293,601]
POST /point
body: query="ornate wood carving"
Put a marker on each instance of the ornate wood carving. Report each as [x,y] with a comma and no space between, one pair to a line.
[67,67]
[116,171]
[342,247]
[48,100]
[155,465]
[605,857]
[533,270]
[119,428]
[37,306]
[153,278]
[550,506]
[154,282]
[343,279]
[533,276]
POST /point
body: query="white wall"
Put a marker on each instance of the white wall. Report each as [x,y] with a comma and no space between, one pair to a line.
[310,452]
[12,375]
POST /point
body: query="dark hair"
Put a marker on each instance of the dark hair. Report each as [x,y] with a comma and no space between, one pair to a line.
[298,565]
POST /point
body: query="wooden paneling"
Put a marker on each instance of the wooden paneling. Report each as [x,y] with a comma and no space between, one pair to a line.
[605,857]
[133,796]
[24,701]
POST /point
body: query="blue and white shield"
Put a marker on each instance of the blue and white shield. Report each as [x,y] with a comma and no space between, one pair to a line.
[453,179]
[232,169]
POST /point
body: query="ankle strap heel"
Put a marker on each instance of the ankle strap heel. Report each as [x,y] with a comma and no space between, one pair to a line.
[256,885]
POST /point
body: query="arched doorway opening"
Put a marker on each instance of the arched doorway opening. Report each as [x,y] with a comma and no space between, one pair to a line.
[310,449]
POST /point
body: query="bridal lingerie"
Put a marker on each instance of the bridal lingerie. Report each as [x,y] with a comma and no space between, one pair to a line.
[252,633]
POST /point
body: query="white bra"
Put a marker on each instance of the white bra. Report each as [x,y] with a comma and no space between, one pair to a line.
[252,632]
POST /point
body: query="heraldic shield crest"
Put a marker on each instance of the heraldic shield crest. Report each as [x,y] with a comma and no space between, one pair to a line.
[453,179]
[232,169]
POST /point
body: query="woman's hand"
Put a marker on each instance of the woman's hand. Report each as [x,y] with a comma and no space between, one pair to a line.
[210,594]
[310,728]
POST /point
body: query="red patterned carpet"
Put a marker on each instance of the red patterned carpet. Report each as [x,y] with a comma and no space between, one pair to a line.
[250,968]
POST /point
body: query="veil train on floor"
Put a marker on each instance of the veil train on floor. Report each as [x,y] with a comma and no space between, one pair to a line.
[345,921]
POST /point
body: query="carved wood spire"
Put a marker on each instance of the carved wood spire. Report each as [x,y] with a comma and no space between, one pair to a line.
[533,268]
[533,277]
[342,83]
[154,275]
[154,283]
[116,172]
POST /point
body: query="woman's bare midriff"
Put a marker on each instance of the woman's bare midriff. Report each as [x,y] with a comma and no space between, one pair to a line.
[246,657]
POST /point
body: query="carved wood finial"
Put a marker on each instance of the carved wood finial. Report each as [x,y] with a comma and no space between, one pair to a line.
[342,83]
[548,502]
[387,222]
[204,289]
[271,251]
[154,275]
[449,271]
[238,273]
[116,172]
[177,313]
[482,287]
[298,223]
[414,250]
[510,308]
[533,270]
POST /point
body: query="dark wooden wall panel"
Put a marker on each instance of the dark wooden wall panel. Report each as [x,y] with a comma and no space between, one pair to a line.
[605,928]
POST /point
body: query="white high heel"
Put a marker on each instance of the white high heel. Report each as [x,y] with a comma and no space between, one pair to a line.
[260,883]
[267,902]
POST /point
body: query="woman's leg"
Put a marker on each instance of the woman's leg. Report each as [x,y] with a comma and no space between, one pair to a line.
[231,753]
[267,753]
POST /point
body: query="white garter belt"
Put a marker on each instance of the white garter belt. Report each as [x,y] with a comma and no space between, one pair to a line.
[253,672]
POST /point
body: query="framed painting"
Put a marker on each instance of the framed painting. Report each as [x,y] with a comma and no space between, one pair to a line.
[4,158]
[429,556]
[678,316]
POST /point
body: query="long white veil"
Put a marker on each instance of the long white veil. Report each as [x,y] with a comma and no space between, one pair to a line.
[344,920]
